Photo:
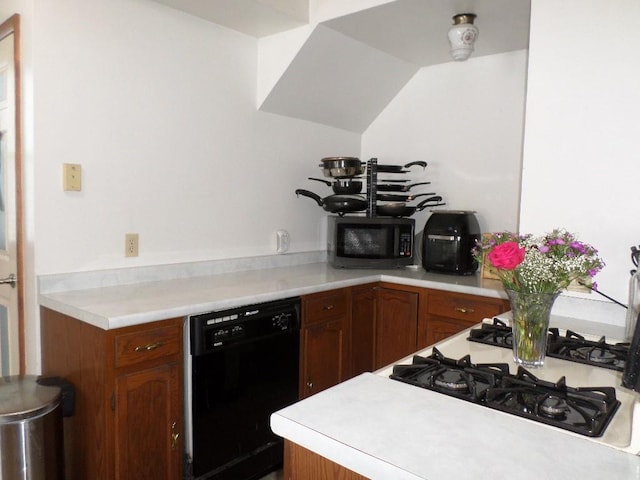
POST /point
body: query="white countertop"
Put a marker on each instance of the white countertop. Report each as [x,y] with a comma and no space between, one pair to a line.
[117,306]
[386,429]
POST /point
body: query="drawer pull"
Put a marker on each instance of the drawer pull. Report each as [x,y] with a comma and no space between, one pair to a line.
[464,310]
[174,436]
[328,307]
[149,346]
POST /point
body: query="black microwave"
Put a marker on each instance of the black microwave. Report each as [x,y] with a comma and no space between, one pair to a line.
[363,242]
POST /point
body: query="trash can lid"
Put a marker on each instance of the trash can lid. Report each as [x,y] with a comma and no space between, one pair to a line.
[22,397]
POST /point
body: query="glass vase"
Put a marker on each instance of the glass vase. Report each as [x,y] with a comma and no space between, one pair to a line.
[530,326]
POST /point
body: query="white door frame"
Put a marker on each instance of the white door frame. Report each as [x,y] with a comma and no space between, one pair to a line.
[8,27]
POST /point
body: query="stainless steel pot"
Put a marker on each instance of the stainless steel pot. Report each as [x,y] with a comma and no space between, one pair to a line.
[342,167]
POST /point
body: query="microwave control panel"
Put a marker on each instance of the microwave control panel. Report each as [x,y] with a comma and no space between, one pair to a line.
[405,243]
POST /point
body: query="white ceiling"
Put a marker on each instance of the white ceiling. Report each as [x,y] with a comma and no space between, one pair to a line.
[257,18]
[352,65]
[416,30]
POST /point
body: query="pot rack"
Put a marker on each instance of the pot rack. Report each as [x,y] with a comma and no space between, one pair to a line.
[372,187]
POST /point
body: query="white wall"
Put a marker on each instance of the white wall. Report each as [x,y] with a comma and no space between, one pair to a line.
[465,120]
[159,109]
[582,128]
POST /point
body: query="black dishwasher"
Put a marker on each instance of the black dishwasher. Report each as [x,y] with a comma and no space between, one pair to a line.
[242,366]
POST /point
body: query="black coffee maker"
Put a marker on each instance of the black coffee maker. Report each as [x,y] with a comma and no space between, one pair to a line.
[447,241]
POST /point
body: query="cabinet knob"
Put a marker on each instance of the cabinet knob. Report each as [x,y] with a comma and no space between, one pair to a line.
[174,436]
[310,385]
[463,310]
[328,307]
[149,346]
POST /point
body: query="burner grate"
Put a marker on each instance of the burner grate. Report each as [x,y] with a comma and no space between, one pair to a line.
[572,346]
[586,411]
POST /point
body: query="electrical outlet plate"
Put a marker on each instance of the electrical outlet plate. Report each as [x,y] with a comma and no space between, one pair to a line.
[283,240]
[131,245]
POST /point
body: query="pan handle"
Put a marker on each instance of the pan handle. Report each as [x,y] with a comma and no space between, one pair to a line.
[313,196]
[326,182]
[434,201]
[419,163]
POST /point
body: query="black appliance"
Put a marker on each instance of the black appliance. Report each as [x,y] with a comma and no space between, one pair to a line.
[586,411]
[447,241]
[364,242]
[242,367]
[570,346]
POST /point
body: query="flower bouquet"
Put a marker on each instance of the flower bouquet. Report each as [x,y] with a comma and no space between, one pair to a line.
[533,272]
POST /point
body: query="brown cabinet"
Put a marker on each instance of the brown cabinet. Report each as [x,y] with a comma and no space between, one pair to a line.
[300,463]
[384,325]
[324,345]
[448,313]
[128,381]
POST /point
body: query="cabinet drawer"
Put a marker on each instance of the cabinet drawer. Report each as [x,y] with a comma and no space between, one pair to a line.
[142,346]
[463,307]
[325,305]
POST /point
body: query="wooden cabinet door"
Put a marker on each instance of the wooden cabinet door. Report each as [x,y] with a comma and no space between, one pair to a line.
[396,325]
[450,313]
[364,302]
[148,417]
[441,328]
[324,359]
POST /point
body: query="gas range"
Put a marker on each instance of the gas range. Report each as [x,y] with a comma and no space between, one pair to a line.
[566,394]
[586,410]
[570,346]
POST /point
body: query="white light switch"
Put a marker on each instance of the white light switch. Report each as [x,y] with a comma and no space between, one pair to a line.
[72,177]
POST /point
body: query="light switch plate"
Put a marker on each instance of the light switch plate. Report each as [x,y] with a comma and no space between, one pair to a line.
[72,177]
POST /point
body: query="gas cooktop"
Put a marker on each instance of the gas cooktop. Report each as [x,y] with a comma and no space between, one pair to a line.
[570,346]
[583,410]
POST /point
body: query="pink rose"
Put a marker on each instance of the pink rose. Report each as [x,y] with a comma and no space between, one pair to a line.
[507,255]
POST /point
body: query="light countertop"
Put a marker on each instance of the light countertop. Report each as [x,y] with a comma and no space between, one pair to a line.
[385,429]
[115,306]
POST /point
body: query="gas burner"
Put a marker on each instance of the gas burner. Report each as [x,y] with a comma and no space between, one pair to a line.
[553,407]
[594,354]
[586,411]
[452,380]
[572,346]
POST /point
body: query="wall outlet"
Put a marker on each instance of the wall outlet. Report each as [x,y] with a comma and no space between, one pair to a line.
[283,240]
[131,245]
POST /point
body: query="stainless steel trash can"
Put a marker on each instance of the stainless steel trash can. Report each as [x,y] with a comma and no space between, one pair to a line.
[30,430]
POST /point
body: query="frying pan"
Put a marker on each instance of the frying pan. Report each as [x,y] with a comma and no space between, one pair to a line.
[341,167]
[342,186]
[402,210]
[399,168]
[394,197]
[339,204]
[398,188]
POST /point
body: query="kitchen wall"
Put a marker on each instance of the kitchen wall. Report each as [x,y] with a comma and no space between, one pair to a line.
[466,120]
[582,128]
[159,109]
